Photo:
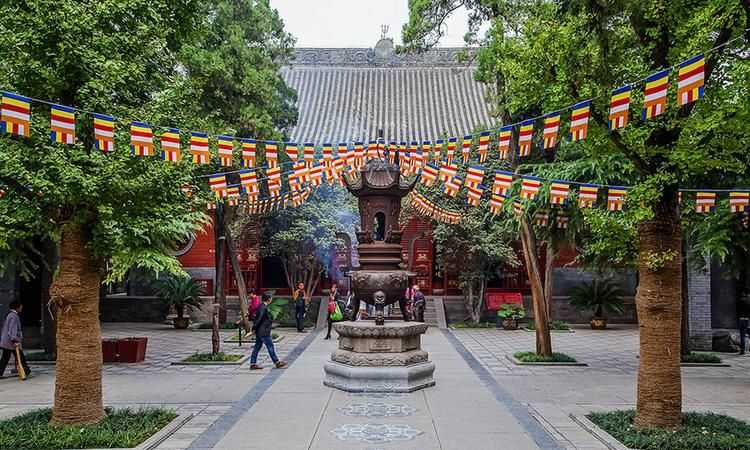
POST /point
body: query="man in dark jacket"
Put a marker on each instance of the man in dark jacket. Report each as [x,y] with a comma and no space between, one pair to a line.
[300,304]
[262,330]
[11,337]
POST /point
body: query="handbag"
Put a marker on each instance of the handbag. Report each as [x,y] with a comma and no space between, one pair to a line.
[337,315]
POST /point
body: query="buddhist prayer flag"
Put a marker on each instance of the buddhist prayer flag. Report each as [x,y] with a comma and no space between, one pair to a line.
[502,183]
[551,130]
[691,80]
[218,184]
[343,151]
[104,133]
[739,201]
[417,162]
[474,176]
[705,201]
[437,152]
[62,124]
[274,181]
[392,150]
[447,171]
[541,218]
[327,154]
[271,154]
[309,154]
[350,157]
[474,195]
[426,148]
[292,151]
[225,145]
[359,154]
[615,198]
[233,196]
[496,203]
[338,170]
[316,175]
[484,146]
[452,186]
[530,187]
[249,152]
[300,175]
[451,152]
[558,192]
[562,221]
[199,148]
[429,175]
[15,114]
[587,194]
[466,148]
[655,94]
[524,138]
[141,139]
[518,208]
[503,141]
[372,150]
[249,182]
[579,120]
[619,107]
[170,145]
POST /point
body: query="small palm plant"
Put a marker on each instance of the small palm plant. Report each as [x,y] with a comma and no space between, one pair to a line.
[183,294]
[600,297]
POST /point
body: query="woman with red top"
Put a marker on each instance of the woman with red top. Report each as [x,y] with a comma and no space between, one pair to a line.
[333,298]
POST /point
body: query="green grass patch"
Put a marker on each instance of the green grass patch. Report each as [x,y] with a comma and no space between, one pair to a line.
[555,325]
[121,428]
[531,357]
[701,358]
[212,357]
[703,431]
[222,326]
[458,325]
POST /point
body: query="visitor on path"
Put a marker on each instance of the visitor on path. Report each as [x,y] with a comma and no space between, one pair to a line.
[333,301]
[406,304]
[743,312]
[418,304]
[253,305]
[300,302]
[11,338]
[262,330]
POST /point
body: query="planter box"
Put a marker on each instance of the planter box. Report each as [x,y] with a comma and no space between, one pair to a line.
[518,362]
[126,350]
[109,350]
[239,362]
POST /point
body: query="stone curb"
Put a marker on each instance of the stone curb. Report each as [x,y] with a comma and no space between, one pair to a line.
[705,365]
[529,330]
[162,435]
[602,436]
[239,362]
[517,362]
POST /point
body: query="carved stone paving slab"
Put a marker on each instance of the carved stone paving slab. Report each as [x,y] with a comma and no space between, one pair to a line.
[377,409]
[374,433]
[379,395]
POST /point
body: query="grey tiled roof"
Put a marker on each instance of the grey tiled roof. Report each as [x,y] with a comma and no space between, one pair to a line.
[347,95]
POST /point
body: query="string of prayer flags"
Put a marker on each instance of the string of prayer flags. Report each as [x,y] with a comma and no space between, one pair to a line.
[199,148]
[218,184]
[530,187]
[502,183]
[739,201]
[300,175]
[309,154]
[15,114]
[484,146]
[451,150]
[466,148]
[579,120]
[705,202]
[551,130]
[104,133]
[437,152]
[292,151]
[558,192]
[225,146]
[587,194]
[429,175]
[690,80]
[526,132]
[496,203]
[619,107]
[62,124]
[249,182]
[316,175]
[141,139]
[655,94]
[452,186]
[615,198]
[447,171]
[503,139]
[274,181]
[474,176]
[271,154]
[474,195]
[170,145]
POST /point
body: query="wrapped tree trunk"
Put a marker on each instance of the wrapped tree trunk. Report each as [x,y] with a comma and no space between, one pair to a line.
[543,337]
[241,287]
[659,305]
[75,294]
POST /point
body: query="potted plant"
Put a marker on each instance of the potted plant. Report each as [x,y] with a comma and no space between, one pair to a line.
[600,297]
[183,294]
[510,314]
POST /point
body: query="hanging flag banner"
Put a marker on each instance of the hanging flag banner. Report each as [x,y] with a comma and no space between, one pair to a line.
[141,139]
[271,150]
[496,204]
[233,196]
[437,153]
[503,141]
[705,202]
[447,171]
[484,146]
[466,148]
[558,192]
[579,120]
[739,201]
[417,162]
[502,183]
[405,165]
[15,114]
[474,195]
[526,132]
[429,175]
[225,145]
[587,194]
[300,175]
[327,155]
[452,186]
[199,148]
[615,198]
[426,149]
[619,107]
[338,170]
[372,150]
[392,151]
[274,181]
[343,151]
[309,154]
[104,133]
[655,94]
[249,183]
[62,124]
[359,154]
[218,184]
[451,150]
[562,221]
[541,218]
[530,187]
[249,152]
[170,145]
[690,80]
[292,150]
[316,175]
[474,176]
[551,130]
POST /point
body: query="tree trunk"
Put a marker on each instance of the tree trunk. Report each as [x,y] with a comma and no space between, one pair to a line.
[470,303]
[49,325]
[659,305]
[215,337]
[543,337]
[241,287]
[220,246]
[549,262]
[685,329]
[75,293]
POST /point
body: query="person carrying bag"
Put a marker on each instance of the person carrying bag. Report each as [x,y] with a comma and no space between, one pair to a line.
[334,310]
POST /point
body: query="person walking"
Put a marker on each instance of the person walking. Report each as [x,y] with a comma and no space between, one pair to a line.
[262,330]
[418,304]
[11,338]
[300,302]
[333,301]
[405,304]
[743,312]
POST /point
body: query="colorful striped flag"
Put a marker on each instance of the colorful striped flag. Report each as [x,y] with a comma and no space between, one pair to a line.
[274,181]
[316,175]
[452,186]
[233,196]
[655,94]
[705,201]
[484,146]
[417,162]
[141,139]
[502,183]
[587,194]
[372,150]
[551,130]
[300,175]
[619,107]
[309,154]
[426,149]
[496,203]
[218,184]
[579,120]
[437,152]
[429,175]
[392,151]
[405,165]
[739,201]
[199,148]
[327,154]
[474,195]
[62,124]
[170,145]
[350,159]
[225,146]
[249,152]
[562,220]
[615,198]
[558,192]
[530,187]
[359,154]
[447,171]
[474,176]
[541,218]
[292,150]
[271,153]
[15,114]
[524,137]
[104,133]
[249,183]
[466,148]
[691,78]
[451,151]
[343,152]
[503,141]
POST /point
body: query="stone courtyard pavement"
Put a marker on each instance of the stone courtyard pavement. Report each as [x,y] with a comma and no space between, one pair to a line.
[481,400]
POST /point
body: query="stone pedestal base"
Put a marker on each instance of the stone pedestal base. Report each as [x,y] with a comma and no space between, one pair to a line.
[379,358]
